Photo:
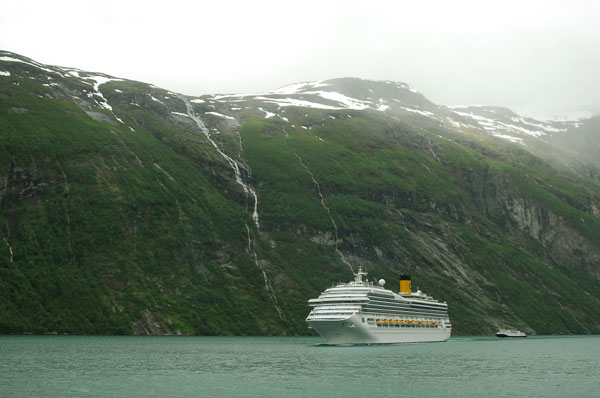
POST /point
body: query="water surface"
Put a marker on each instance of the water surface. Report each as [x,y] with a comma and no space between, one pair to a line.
[128,366]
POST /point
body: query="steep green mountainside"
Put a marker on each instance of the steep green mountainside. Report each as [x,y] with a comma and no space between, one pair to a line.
[126,208]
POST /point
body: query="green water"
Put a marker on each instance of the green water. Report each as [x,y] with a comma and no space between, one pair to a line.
[94,366]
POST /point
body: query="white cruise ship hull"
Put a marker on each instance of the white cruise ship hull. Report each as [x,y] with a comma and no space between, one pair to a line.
[353,331]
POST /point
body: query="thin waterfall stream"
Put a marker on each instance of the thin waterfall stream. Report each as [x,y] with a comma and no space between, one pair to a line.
[248,190]
[335,228]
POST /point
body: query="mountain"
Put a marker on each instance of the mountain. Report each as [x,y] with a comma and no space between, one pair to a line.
[127,208]
[567,142]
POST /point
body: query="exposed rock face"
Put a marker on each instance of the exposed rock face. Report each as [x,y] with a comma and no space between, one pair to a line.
[151,324]
[24,183]
[563,244]
[530,218]
[503,201]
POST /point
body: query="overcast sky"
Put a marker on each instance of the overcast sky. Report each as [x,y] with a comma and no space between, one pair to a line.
[536,57]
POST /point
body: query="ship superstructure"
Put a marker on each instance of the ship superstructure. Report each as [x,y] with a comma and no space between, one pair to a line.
[510,333]
[360,312]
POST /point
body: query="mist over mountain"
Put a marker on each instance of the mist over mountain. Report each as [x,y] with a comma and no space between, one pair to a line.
[127,208]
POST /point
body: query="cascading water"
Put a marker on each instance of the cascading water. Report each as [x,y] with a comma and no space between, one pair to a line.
[335,228]
[9,249]
[268,286]
[248,190]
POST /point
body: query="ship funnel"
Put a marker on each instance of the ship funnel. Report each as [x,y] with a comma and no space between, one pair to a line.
[405,284]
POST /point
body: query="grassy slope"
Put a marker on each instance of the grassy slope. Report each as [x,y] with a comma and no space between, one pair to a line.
[103,237]
[365,186]
[117,236]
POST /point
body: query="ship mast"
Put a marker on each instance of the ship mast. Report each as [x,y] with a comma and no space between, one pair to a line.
[358,276]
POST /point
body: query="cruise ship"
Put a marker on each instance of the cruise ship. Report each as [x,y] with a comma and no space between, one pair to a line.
[360,312]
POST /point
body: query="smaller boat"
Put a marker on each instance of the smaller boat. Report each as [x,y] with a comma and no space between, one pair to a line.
[510,333]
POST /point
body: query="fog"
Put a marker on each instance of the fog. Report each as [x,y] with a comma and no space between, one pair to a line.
[536,57]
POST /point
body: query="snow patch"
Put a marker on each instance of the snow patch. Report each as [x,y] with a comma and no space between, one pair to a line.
[538,125]
[99,80]
[297,87]
[465,106]
[3,73]
[508,137]
[453,122]
[318,84]
[219,115]
[11,59]
[350,103]
[291,89]
[180,114]
[267,113]
[34,64]
[495,125]
[229,96]
[424,113]
[408,87]
[96,82]
[295,102]
[156,99]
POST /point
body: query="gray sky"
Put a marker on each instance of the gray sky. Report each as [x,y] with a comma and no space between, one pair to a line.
[536,57]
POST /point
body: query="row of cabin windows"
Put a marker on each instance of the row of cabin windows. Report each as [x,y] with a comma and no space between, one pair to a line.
[414,306]
[395,303]
[403,309]
[407,325]
[388,311]
[390,300]
[374,308]
[372,321]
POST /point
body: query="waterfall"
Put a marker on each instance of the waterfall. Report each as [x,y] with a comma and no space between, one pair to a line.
[248,190]
[335,228]
[6,240]
[268,286]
